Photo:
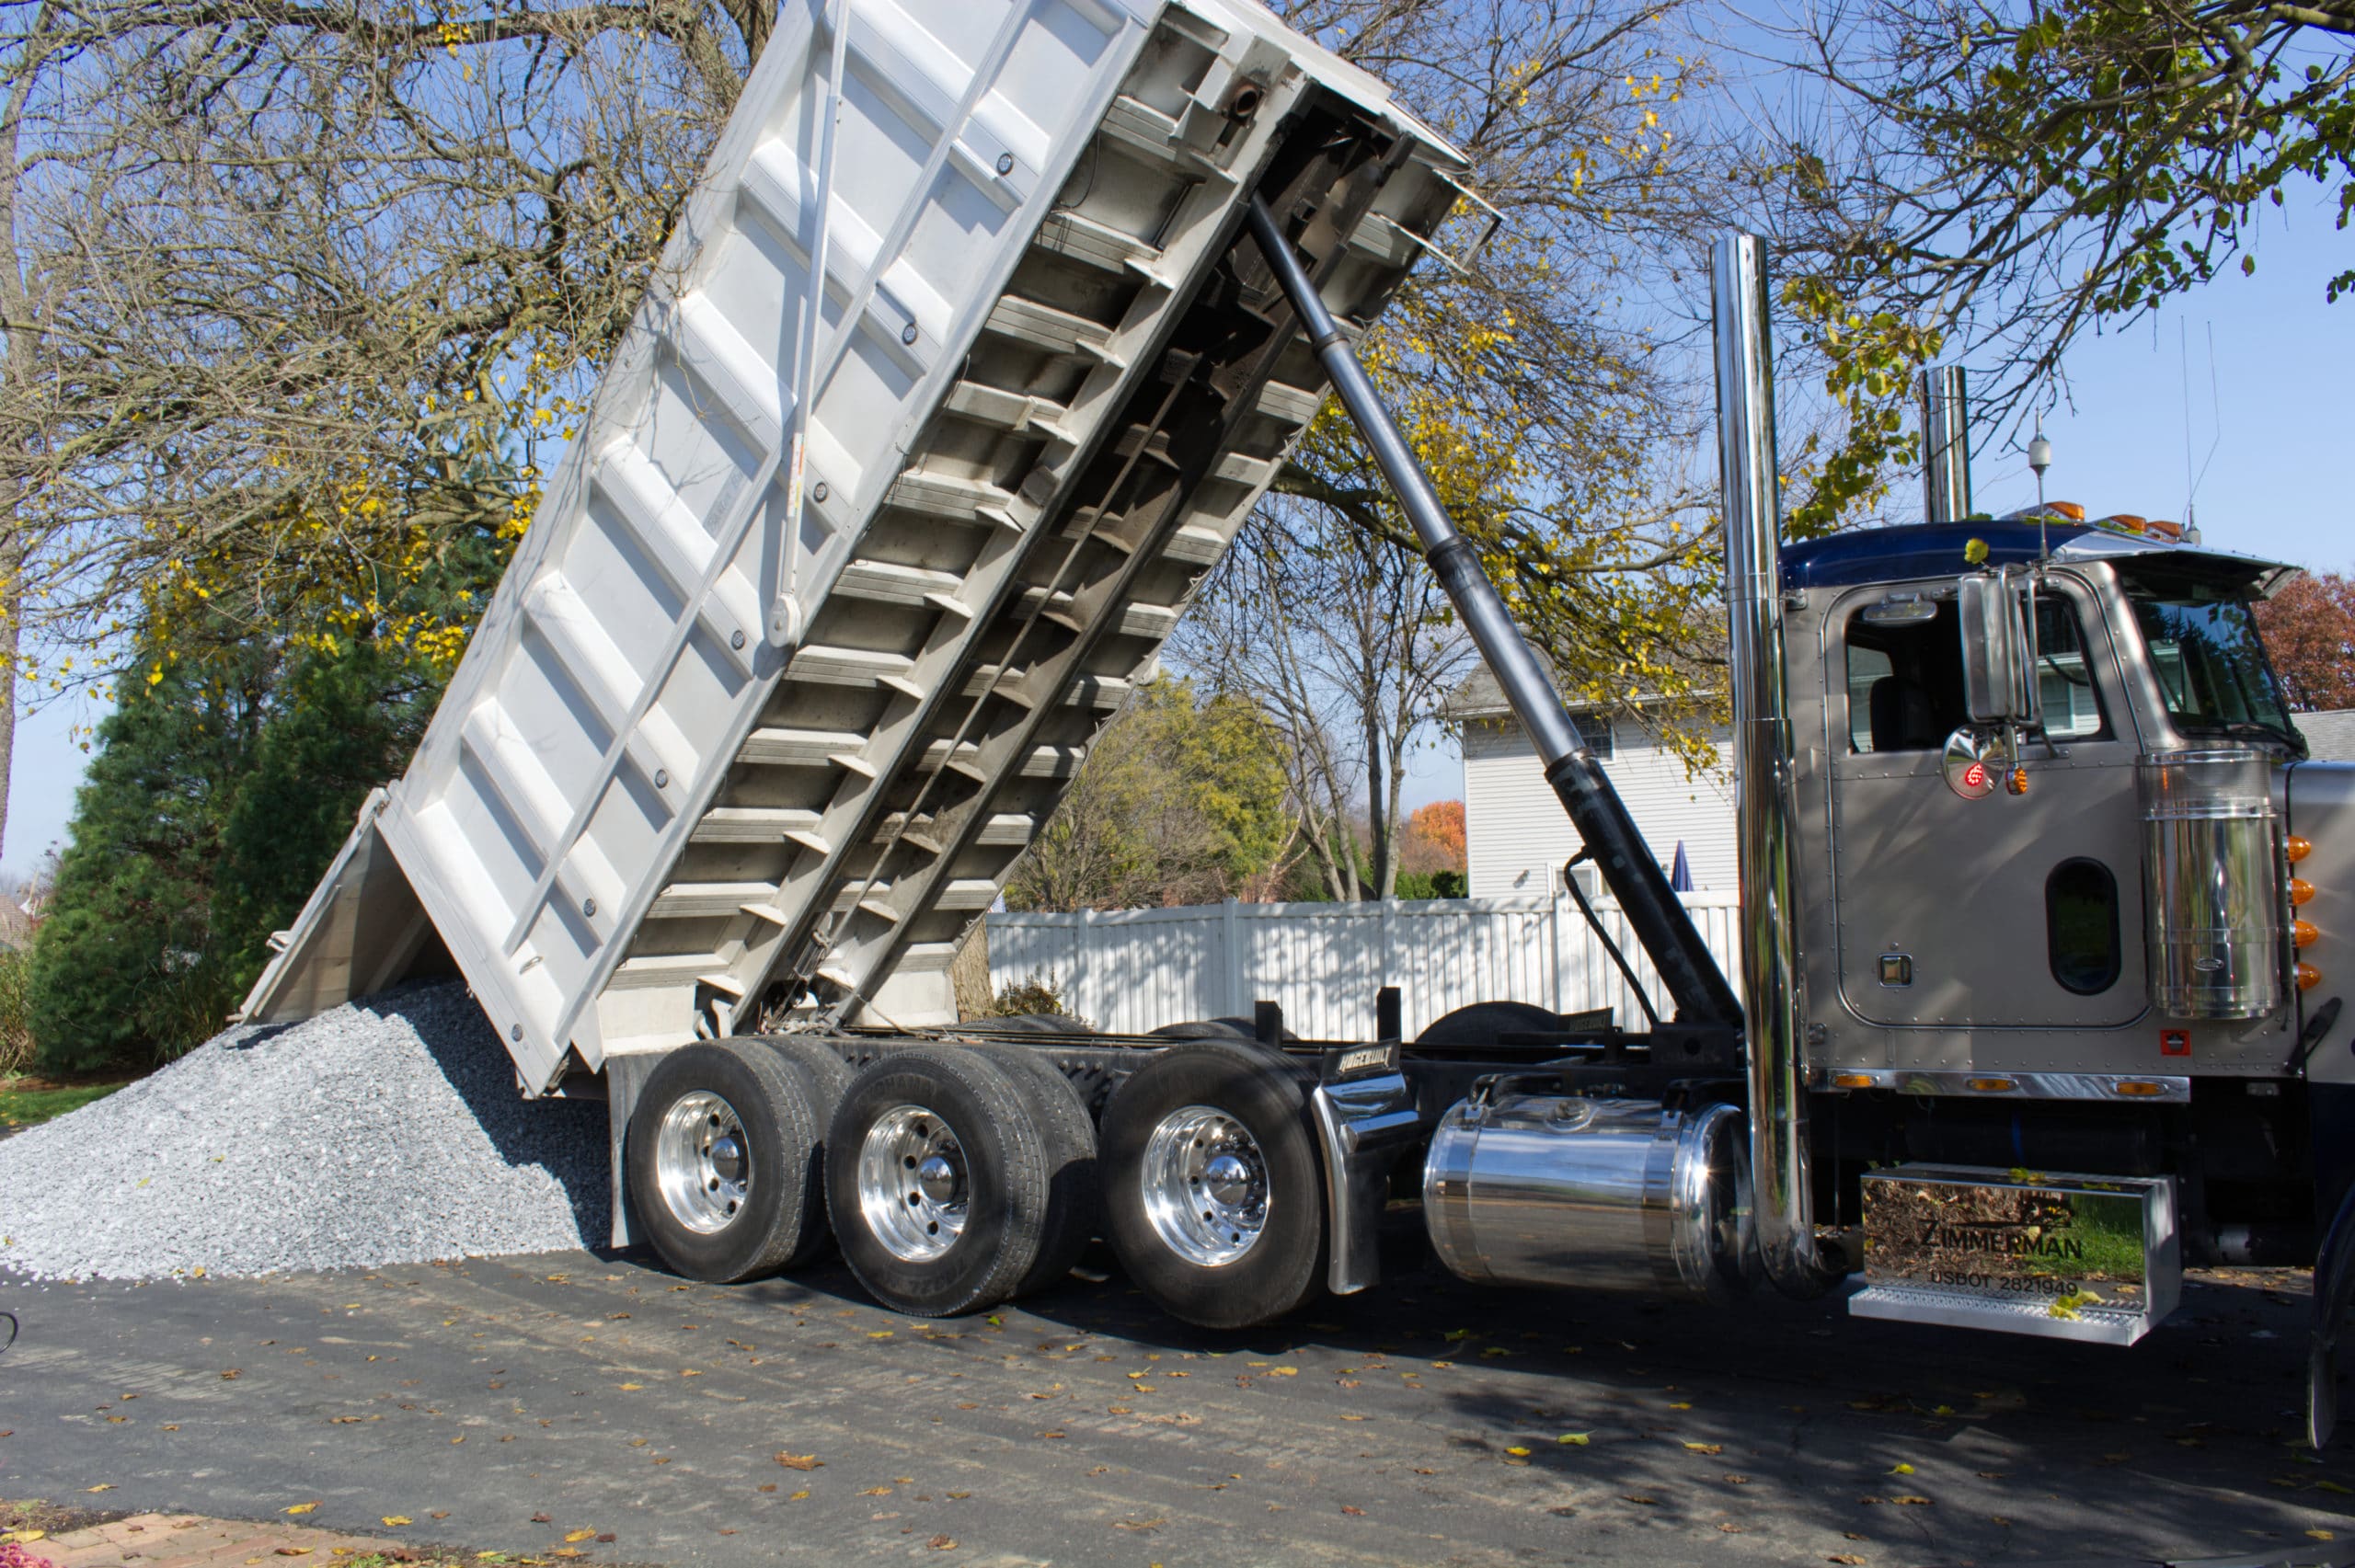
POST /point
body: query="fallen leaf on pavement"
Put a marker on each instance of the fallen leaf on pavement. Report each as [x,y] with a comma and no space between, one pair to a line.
[539,1518]
[1578,1437]
[103,1486]
[1348,1508]
[1638,1497]
[876,1491]
[1847,1557]
[1732,1530]
[605,1535]
[801,1461]
[1518,1453]
[300,1507]
[1901,1467]
[294,1552]
[397,1520]
[1706,1447]
[942,1543]
[571,1535]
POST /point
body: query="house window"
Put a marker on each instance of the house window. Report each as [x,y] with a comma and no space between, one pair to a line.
[1597,731]
[2081,926]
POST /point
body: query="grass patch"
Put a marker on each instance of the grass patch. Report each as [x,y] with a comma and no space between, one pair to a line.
[28,1102]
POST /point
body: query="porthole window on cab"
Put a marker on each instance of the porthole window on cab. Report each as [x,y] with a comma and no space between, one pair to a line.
[2081,926]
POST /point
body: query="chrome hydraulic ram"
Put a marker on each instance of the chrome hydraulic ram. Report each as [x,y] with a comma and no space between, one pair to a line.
[1695,982]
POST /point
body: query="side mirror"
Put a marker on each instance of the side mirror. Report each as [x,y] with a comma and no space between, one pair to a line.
[1998,660]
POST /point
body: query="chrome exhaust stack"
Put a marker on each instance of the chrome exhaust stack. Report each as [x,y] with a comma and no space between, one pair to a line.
[1945,445]
[1784,1213]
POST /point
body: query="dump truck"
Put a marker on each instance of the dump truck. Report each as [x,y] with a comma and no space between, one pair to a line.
[984,331]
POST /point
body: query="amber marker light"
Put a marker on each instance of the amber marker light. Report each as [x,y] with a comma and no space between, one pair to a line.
[2139,1086]
[1852,1081]
[2308,976]
[2303,933]
[2297,849]
[1991,1086]
[2301,890]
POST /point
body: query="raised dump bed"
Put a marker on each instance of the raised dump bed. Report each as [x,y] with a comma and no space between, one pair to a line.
[702,768]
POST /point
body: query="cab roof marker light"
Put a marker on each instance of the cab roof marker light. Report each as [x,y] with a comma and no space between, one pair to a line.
[2308,976]
[2296,849]
[2301,890]
[2302,934]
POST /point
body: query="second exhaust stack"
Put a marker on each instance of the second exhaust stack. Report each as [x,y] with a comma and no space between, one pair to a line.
[1945,445]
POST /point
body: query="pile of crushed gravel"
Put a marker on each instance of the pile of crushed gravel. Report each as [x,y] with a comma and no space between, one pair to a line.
[386,1131]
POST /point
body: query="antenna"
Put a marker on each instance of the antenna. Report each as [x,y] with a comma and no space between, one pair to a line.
[2040,457]
[2192,480]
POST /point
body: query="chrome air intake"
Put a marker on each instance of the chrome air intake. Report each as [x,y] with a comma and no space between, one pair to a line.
[1772,1006]
[1609,1194]
[2214,895]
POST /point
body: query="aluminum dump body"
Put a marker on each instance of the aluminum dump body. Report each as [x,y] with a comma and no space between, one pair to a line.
[1046,387]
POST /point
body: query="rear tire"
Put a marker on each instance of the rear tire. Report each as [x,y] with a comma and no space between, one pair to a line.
[1213,1195]
[936,1179]
[1482,1022]
[719,1162]
[1069,1135]
[826,1079]
[1215,1029]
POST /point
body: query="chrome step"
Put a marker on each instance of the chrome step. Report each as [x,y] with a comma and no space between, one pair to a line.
[2093,1258]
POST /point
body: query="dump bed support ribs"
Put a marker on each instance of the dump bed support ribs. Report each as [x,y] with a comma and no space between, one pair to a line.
[1628,867]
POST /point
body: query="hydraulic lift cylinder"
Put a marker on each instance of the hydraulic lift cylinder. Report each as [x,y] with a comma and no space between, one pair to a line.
[1658,917]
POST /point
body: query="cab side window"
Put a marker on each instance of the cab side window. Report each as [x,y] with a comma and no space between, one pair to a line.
[1905,679]
[1904,682]
[2064,676]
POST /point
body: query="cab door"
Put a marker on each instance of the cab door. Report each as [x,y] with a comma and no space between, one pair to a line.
[2010,912]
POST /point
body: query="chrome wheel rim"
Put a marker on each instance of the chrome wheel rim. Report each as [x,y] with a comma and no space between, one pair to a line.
[912,1186]
[702,1164]
[1205,1185]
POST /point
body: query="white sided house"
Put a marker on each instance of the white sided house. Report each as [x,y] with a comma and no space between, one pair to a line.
[1516,836]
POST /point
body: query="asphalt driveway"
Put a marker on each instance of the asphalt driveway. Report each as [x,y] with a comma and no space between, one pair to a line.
[508,1404]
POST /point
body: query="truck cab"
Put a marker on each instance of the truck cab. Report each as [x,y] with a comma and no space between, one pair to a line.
[2012,954]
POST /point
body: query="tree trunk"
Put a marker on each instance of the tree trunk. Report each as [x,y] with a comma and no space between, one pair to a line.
[12,308]
[12,605]
[1377,812]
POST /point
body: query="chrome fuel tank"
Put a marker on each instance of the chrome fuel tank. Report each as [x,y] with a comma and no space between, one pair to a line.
[1614,1195]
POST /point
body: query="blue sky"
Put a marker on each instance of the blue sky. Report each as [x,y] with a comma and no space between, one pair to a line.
[2278,483]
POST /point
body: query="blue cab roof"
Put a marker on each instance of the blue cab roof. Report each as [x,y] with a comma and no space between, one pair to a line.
[1924,550]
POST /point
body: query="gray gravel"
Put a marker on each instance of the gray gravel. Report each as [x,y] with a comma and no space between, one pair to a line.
[388,1131]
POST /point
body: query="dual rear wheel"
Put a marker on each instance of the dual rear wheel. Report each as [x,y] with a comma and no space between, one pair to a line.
[956,1177]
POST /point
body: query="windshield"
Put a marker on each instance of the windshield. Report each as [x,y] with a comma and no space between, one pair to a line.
[2209,663]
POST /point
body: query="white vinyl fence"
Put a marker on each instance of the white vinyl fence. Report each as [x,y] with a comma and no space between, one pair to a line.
[1135,970]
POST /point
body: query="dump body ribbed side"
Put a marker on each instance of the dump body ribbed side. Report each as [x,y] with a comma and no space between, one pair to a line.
[1048,388]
